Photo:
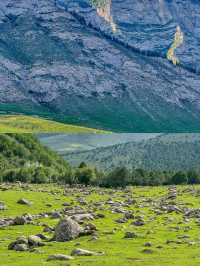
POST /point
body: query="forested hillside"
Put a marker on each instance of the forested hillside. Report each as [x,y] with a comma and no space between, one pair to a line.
[23,158]
[165,152]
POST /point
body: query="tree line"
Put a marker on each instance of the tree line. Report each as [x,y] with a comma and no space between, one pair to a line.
[119,177]
[23,158]
[122,177]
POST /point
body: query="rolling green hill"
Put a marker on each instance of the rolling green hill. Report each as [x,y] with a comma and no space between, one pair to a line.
[29,124]
[164,152]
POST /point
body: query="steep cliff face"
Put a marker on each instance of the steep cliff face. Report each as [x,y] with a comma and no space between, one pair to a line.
[109,66]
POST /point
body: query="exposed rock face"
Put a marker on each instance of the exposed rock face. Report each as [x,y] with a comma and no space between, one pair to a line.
[65,56]
[66,230]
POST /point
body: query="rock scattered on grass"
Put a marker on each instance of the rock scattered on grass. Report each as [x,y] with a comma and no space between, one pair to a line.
[82,217]
[147,244]
[19,220]
[24,201]
[24,244]
[59,257]
[56,215]
[139,222]
[84,252]
[130,235]
[2,206]
[20,247]
[35,241]
[147,251]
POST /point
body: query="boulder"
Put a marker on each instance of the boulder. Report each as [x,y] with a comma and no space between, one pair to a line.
[20,244]
[35,241]
[20,247]
[23,244]
[66,230]
[21,240]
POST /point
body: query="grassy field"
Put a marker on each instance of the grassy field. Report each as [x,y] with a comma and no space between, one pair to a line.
[174,239]
[30,124]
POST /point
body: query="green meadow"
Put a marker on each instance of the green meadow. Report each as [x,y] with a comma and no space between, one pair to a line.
[31,124]
[165,238]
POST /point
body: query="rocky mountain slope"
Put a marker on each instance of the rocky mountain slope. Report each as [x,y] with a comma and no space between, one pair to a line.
[125,66]
[163,152]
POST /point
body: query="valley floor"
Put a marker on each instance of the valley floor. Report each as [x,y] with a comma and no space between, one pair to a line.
[161,224]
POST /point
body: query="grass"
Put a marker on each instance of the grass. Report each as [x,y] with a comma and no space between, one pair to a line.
[30,124]
[118,251]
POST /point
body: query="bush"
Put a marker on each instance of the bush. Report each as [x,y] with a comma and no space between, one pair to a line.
[41,175]
[119,177]
[85,175]
[82,165]
[193,177]
[179,178]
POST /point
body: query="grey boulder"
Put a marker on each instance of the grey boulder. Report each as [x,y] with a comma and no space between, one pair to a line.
[66,230]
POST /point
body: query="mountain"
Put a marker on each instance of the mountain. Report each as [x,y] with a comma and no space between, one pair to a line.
[128,66]
[28,124]
[162,152]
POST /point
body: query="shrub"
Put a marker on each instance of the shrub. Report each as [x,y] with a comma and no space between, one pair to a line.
[193,177]
[179,178]
[85,175]
[119,177]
